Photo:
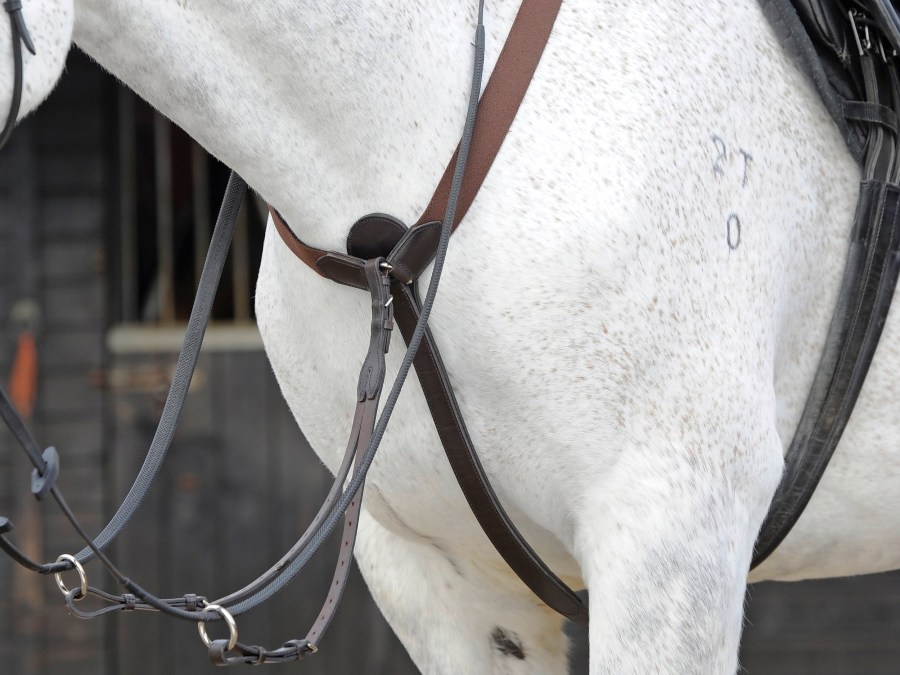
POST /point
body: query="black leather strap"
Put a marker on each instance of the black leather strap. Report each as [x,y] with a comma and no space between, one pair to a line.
[870,272]
[18,36]
[413,251]
[365,434]
[470,475]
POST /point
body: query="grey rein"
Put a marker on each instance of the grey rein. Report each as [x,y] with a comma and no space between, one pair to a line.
[18,36]
[385,259]
[365,436]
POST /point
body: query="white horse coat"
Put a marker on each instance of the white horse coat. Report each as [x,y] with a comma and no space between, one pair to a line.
[631,313]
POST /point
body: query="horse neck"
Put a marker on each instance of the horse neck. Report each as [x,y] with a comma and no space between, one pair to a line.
[329,110]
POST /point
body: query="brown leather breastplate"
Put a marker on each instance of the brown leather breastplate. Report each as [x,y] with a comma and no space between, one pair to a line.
[408,252]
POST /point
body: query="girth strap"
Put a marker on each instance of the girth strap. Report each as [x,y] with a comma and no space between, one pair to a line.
[870,277]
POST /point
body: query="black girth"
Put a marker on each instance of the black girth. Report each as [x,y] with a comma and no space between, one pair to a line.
[849,50]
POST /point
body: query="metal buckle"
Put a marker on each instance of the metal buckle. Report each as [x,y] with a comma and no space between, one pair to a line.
[860,33]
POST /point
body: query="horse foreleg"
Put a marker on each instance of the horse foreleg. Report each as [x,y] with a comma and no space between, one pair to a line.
[449,617]
[664,550]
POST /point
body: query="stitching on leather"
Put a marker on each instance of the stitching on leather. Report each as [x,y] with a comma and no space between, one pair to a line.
[817,427]
[405,245]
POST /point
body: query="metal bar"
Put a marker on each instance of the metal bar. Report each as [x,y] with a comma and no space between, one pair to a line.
[165,242]
[200,197]
[128,253]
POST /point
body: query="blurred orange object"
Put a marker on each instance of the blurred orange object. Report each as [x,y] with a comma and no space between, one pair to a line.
[23,379]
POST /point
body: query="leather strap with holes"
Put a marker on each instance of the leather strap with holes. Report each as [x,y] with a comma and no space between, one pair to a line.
[371,381]
[408,255]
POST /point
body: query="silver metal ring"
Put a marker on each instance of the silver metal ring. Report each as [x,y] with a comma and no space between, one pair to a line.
[81,575]
[229,621]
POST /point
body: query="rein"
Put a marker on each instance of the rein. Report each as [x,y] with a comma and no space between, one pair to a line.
[865,37]
[18,36]
[385,258]
[376,274]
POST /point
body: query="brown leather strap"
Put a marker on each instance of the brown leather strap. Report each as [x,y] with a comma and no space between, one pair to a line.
[410,253]
[463,458]
[308,254]
[497,108]
[499,104]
